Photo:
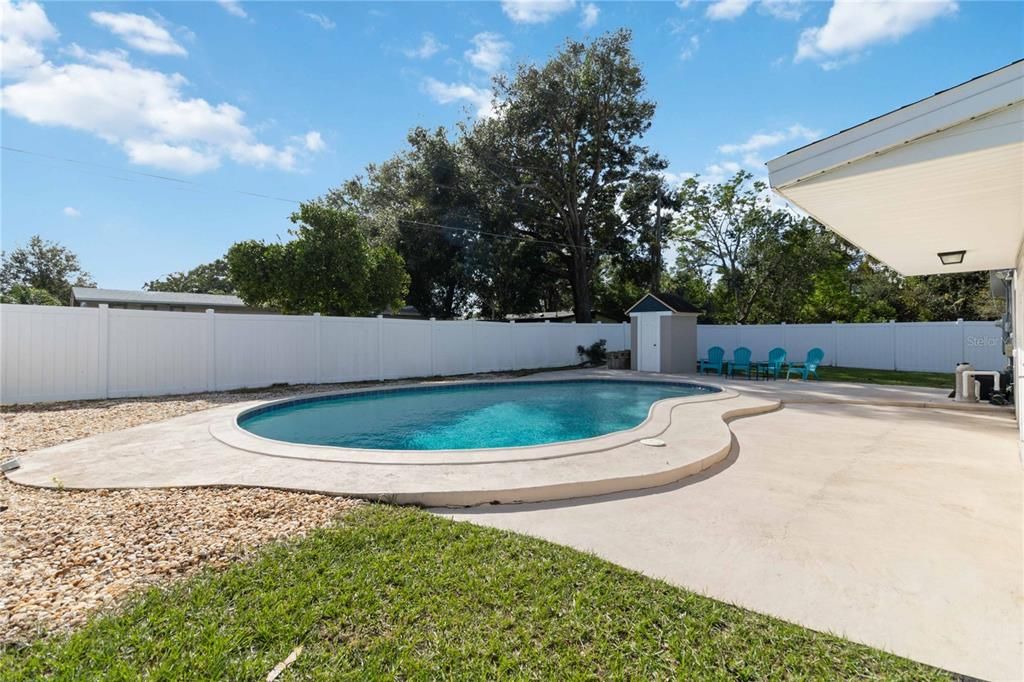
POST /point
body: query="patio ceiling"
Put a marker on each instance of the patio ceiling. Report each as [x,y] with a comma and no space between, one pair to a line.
[943,174]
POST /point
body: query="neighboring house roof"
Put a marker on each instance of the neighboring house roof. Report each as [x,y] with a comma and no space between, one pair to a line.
[91,295]
[547,315]
[662,301]
[944,174]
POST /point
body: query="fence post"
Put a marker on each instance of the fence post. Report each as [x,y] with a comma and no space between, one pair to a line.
[103,352]
[963,340]
[627,337]
[211,350]
[380,348]
[433,326]
[547,344]
[835,344]
[892,335]
[512,342]
[472,345]
[316,348]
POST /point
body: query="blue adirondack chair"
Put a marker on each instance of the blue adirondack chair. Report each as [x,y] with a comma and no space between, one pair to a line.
[714,360]
[740,361]
[809,366]
[776,359]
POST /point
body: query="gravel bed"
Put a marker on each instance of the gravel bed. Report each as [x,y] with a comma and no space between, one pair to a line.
[65,554]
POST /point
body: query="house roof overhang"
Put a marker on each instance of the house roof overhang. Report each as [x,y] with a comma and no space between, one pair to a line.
[942,174]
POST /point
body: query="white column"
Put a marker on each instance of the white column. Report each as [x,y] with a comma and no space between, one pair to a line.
[211,350]
[103,352]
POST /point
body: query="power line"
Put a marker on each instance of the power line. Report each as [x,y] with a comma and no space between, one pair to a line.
[195,186]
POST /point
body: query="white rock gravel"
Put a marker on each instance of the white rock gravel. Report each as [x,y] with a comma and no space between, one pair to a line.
[64,554]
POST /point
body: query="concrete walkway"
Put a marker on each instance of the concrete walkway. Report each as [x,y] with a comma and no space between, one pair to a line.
[897,527]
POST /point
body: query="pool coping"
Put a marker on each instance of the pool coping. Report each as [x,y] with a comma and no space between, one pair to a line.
[182,452]
[228,431]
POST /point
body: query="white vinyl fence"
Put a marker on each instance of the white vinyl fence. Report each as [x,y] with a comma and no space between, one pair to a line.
[60,353]
[910,346]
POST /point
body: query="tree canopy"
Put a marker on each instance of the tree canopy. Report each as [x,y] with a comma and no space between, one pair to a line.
[208,278]
[328,267]
[565,137]
[42,265]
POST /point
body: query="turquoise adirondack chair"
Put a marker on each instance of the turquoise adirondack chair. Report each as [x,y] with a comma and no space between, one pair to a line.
[716,354]
[809,366]
[740,361]
[776,359]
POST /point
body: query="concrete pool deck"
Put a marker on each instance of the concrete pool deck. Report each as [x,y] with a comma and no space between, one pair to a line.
[898,528]
[208,449]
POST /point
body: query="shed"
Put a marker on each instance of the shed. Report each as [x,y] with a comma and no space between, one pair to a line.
[663,334]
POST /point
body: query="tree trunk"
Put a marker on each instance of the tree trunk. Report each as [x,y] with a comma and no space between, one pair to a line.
[656,247]
[581,299]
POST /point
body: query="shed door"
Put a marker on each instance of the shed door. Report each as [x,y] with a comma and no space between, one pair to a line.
[649,340]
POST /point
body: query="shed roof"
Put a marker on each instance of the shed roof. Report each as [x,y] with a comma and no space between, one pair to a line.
[664,301]
[92,295]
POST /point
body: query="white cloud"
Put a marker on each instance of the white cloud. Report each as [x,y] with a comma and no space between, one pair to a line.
[747,155]
[535,11]
[139,32]
[446,93]
[726,9]
[690,48]
[72,212]
[490,52]
[720,172]
[787,10]
[24,28]
[176,157]
[326,23]
[428,47]
[589,14]
[143,111]
[852,26]
[234,8]
[313,141]
[760,141]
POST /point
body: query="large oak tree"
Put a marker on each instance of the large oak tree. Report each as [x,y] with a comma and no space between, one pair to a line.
[565,137]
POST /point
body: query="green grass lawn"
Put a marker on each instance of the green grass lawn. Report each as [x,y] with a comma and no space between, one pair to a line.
[395,592]
[883,376]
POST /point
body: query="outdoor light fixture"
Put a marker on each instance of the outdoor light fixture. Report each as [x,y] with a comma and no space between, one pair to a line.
[952,257]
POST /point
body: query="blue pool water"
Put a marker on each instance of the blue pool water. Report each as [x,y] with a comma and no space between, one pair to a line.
[463,417]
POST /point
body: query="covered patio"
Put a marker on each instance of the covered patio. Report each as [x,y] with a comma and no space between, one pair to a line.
[933,187]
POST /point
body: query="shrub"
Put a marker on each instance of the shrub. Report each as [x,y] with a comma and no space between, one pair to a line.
[595,354]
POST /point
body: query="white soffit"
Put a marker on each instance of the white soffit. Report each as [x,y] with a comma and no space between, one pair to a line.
[905,190]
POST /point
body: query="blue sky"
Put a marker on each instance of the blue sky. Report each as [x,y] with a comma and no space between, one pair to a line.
[290,99]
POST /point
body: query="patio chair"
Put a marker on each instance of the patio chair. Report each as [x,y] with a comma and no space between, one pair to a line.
[776,359]
[740,361]
[714,360]
[809,366]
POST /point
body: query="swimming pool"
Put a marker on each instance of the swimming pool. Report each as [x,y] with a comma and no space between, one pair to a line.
[462,417]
